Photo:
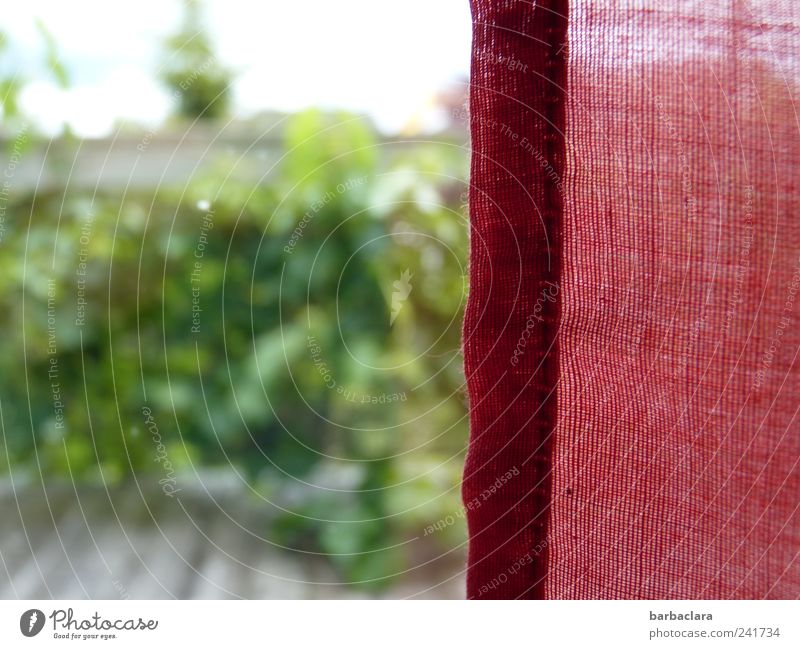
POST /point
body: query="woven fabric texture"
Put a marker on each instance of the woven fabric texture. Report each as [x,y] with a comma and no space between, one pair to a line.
[633,325]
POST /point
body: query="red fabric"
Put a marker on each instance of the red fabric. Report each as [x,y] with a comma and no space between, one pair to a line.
[633,325]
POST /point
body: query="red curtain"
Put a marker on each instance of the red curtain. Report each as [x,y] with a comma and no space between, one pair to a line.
[632,332]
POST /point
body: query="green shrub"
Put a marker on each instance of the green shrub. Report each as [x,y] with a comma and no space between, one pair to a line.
[98,295]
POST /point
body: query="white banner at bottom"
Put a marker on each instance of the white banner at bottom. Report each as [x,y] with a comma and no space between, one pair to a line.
[401,624]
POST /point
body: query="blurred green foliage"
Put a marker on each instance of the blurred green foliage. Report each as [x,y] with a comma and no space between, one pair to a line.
[290,372]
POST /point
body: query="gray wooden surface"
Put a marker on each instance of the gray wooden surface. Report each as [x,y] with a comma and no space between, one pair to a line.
[65,542]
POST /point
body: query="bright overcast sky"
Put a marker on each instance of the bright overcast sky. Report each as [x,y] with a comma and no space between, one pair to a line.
[385,59]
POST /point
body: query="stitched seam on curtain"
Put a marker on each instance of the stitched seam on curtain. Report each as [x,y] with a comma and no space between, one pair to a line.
[517,124]
[556,19]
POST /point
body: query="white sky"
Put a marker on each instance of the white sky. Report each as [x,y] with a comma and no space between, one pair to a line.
[382,58]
